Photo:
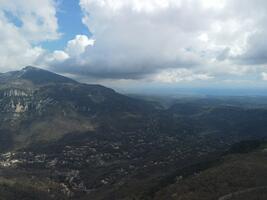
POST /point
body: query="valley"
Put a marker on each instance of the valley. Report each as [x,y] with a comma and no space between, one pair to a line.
[61,139]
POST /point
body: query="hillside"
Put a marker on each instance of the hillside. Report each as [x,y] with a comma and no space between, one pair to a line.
[61,139]
[40,106]
[237,176]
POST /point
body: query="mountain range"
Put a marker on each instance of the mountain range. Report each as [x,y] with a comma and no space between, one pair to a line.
[61,139]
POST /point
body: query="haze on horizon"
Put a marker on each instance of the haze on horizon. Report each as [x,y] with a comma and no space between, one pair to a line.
[140,45]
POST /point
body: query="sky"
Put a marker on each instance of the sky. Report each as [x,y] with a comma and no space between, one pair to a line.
[139,44]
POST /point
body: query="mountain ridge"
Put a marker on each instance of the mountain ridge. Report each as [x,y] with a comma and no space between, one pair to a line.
[35,75]
[33,97]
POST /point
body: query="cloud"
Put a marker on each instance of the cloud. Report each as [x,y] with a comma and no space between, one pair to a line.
[23,25]
[70,56]
[136,39]
[160,40]
[78,45]
[255,53]
[38,18]
[60,56]
[180,75]
[264,76]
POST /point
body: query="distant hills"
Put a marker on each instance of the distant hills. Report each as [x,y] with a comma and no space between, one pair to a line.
[61,139]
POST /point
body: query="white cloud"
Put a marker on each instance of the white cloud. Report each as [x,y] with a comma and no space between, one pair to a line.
[23,24]
[178,40]
[60,55]
[216,4]
[78,45]
[73,50]
[180,75]
[38,18]
[134,38]
[264,76]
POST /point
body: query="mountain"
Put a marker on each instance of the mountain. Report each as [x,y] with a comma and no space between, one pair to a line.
[61,139]
[33,75]
[38,105]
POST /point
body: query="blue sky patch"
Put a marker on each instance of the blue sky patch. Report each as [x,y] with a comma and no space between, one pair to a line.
[13,19]
[69,17]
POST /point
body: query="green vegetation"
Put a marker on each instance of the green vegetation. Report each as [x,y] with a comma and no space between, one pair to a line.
[237,177]
[60,139]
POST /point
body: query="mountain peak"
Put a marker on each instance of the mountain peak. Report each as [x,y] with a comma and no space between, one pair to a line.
[35,75]
[42,76]
[28,68]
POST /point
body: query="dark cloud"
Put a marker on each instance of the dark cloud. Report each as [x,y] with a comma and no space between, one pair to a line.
[256,52]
